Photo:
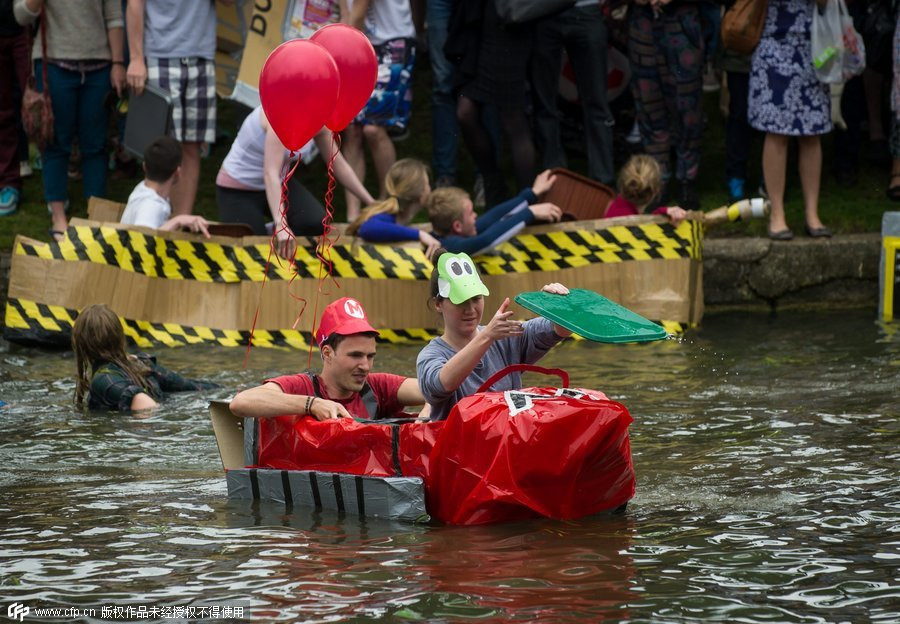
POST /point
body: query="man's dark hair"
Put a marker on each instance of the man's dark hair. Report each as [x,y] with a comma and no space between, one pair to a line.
[161,159]
[336,339]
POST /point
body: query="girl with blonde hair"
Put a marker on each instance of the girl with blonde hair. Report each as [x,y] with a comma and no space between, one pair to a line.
[110,377]
[407,187]
[640,182]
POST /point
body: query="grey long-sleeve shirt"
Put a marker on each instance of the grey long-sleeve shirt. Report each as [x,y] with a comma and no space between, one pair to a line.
[539,337]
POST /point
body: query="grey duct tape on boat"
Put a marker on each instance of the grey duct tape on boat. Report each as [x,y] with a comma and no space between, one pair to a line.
[397,498]
[251,441]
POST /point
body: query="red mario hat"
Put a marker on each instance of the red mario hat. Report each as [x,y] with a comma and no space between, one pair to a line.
[345,316]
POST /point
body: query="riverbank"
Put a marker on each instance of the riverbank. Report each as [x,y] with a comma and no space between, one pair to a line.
[755,272]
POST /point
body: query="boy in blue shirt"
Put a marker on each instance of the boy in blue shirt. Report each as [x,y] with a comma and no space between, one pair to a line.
[456,225]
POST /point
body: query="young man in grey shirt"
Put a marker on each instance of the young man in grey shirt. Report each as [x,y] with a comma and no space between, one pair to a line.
[455,364]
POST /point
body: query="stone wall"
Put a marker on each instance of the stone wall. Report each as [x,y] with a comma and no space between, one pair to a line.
[759,272]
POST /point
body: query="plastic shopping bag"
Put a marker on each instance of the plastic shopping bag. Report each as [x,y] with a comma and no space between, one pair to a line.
[828,43]
[854,58]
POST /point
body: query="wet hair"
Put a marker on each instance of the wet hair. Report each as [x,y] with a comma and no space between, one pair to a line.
[161,159]
[640,180]
[445,205]
[405,185]
[97,337]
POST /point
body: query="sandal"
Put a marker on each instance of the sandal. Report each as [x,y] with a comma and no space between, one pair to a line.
[893,191]
[57,235]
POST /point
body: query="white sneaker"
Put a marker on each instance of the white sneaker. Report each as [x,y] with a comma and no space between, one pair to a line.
[634,137]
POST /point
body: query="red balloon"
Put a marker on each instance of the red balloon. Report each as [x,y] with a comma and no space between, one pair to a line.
[298,89]
[358,68]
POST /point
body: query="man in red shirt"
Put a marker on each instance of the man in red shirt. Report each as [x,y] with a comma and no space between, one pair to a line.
[345,388]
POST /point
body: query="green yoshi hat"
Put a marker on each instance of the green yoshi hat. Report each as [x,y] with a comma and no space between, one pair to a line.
[458,279]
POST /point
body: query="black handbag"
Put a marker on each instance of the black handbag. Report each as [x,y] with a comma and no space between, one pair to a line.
[876,25]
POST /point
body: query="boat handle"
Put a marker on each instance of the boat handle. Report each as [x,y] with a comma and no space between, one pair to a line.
[512,368]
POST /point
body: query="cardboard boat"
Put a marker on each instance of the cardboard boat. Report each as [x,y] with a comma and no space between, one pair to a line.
[175,288]
[486,463]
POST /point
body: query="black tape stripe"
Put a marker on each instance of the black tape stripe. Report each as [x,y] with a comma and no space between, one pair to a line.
[111,256]
[356,267]
[239,267]
[338,492]
[286,486]
[395,449]
[212,267]
[388,267]
[314,486]
[254,484]
[184,267]
[33,324]
[360,496]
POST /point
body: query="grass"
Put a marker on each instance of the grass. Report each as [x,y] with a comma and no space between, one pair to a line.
[845,210]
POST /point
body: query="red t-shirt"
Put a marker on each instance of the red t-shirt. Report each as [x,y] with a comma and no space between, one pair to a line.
[621,207]
[384,385]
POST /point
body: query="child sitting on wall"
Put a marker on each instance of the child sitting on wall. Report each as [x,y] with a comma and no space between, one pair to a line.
[640,181]
[407,187]
[148,204]
[455,224]
[111,378]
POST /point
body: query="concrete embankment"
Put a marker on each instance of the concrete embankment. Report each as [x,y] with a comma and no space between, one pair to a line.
[742,272]
[758,272]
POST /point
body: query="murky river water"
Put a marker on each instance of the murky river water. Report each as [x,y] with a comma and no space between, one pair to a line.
[766,453]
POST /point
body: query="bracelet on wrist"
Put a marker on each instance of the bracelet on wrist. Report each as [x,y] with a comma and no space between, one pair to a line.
[122,63]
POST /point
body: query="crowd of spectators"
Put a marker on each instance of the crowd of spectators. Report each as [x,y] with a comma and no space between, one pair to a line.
[495,85]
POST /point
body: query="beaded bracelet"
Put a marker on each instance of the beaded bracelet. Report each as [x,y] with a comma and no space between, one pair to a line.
[308,404]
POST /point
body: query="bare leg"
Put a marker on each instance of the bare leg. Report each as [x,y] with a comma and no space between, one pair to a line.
[185,191]
[352,150]
[810,167]
[774,163]
[384,155]
[58,216]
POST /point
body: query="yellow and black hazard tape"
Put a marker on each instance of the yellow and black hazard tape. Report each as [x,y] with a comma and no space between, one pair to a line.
[154,256]
[30,322]
[552,251]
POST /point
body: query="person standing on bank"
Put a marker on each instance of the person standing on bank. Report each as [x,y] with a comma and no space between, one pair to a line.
[580,30]
[85,50]
[786,99]
[172,45]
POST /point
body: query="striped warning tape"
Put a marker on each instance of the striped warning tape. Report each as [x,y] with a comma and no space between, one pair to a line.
[154,256]
[552,251]
[31,322]
[27,321]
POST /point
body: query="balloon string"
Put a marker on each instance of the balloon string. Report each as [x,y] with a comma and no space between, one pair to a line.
[287,172]
[323,248]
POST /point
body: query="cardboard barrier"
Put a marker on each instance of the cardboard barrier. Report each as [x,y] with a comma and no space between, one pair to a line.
[395,498]
[179,288]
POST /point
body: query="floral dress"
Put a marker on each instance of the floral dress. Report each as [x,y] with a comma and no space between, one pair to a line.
[785,95]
